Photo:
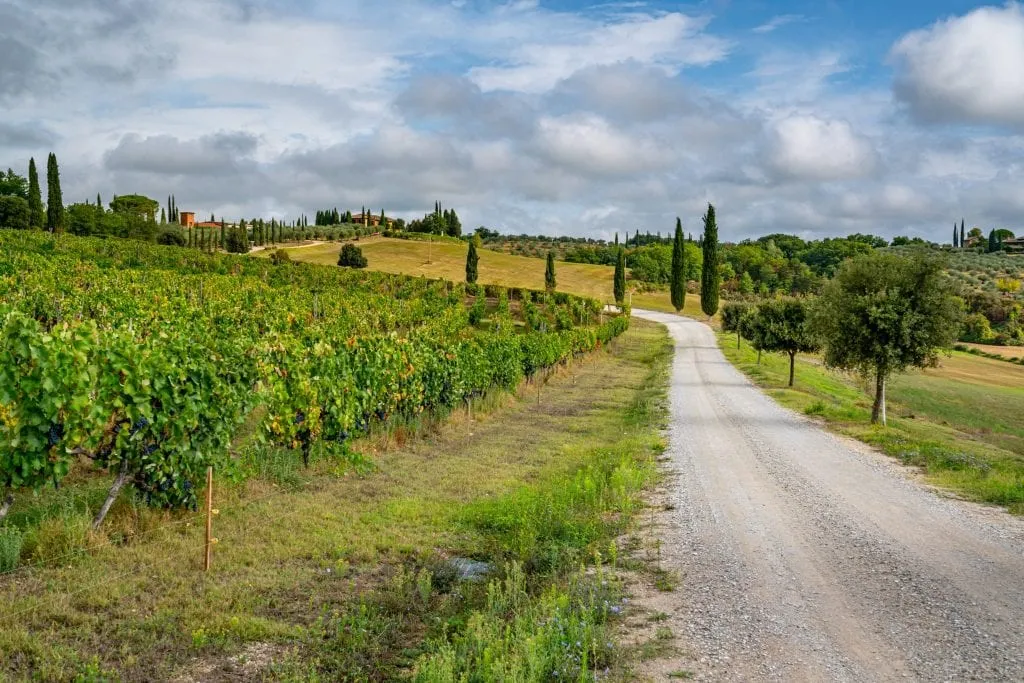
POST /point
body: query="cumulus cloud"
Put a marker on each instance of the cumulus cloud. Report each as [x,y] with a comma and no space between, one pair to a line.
[589,145]
[804,147]
[965,68]
[669,41]
[210,155]
[25,135]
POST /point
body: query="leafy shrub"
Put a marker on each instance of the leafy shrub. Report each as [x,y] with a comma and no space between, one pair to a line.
[171,237]
[351,256]
[476,312]
[280,257]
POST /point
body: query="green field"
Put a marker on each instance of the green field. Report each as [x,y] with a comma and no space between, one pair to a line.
[447,260]
[963,422]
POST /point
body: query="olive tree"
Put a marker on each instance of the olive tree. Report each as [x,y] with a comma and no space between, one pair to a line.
[784,328]
[732,318]
[884,313]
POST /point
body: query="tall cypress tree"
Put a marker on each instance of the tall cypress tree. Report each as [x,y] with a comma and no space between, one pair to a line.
[549,273]
[962,243]
[54,199]
[993,242]
[472,262]
[35,197]
[678,268]
[619,283]
[163,217]
[955,235]
[709,277]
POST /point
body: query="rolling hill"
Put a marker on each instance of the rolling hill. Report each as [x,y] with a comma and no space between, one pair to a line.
[447,260]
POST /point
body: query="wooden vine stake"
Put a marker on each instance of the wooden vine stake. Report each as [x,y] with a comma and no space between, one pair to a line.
[209,519]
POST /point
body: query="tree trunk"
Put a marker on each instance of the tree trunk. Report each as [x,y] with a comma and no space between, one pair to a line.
[111,497]
[737,339]
[5,507]
[792,363]
[759,356]
[878,410]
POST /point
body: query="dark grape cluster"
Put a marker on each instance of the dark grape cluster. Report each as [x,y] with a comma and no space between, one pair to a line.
[139,426]
[55,433]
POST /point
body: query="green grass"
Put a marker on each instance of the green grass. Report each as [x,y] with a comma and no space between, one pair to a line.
[960,422]
[340,571]
[447,261]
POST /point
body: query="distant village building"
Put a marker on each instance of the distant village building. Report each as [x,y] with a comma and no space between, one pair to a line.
[1014,245]
[370,220]
[209,224]
[188,219]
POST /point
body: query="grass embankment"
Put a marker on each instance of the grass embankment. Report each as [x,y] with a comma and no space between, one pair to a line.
[447,260]
[962,422]
[326,574]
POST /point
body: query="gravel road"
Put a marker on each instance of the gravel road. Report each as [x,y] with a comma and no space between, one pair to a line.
[803,556]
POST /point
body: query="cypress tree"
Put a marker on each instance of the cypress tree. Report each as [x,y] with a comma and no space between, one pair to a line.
[955,235]
[678,268]
[619,284]
[709,278]
[163,217]
[99,203]
[962,243]
[549,273]
[54,200]
[616,239]
[993,242]
[472,262]
[35,197]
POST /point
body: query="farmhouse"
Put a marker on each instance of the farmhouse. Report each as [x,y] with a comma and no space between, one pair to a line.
[208,224]
[370,220]
[1014,245]
[188,219]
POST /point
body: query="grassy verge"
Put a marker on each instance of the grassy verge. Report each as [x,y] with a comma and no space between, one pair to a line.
[336,573]
[960,423]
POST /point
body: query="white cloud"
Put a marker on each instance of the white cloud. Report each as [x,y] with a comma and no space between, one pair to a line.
[968,68]
[778,22]
[588,145]
[670,41]
[809,148]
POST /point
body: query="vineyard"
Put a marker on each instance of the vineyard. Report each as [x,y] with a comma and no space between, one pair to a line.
[146,362]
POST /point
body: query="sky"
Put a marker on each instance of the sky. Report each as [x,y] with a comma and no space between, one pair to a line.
[559,117]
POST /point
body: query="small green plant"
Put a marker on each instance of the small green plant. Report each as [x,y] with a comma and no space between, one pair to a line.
[10,549]
[424,585]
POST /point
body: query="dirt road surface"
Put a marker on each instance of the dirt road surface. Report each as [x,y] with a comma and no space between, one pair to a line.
[803,556]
